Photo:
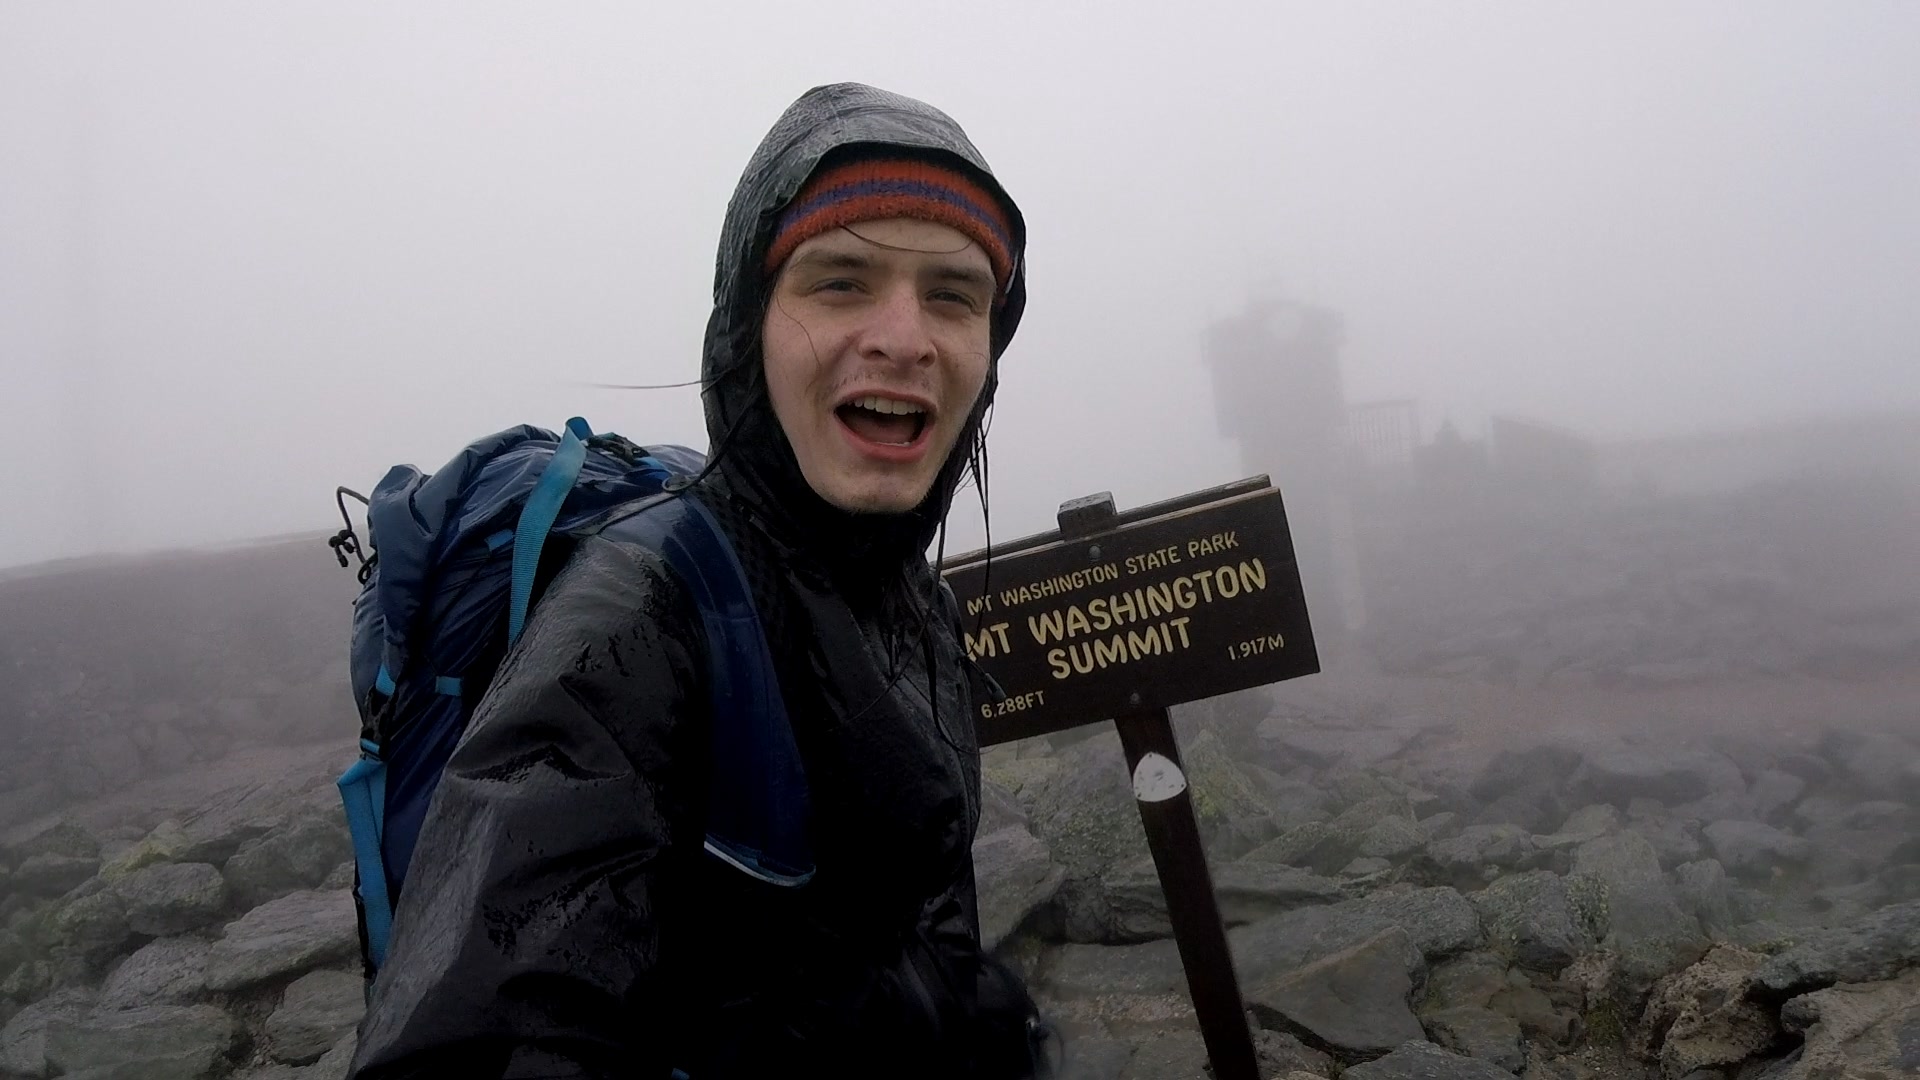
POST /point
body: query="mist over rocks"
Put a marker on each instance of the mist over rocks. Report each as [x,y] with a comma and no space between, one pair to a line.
[122,669]
[1620,847]
[1561,586]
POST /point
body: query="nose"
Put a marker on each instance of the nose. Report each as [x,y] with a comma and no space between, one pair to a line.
[898,332]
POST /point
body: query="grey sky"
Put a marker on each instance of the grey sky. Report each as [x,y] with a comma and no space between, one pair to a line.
[250,251]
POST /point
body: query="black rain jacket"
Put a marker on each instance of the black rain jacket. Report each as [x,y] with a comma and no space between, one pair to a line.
[560,918]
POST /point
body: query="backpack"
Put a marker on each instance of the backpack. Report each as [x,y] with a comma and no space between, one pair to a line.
[456,558]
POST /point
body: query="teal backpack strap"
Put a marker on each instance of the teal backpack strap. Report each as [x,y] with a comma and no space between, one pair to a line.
[538,516]
[363,792]
[757,814]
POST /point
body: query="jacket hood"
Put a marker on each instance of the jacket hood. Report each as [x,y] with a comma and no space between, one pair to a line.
[750,449]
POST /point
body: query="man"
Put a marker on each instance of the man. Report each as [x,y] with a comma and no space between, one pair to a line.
[560,918]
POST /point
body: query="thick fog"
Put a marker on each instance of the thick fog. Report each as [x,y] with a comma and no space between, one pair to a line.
[1580,339]
[248,252]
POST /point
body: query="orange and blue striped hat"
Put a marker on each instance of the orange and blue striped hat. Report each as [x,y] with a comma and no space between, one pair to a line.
[889,187]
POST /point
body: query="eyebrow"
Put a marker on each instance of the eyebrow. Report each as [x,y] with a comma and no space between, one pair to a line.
[964,275]
[833,260]
[828,259]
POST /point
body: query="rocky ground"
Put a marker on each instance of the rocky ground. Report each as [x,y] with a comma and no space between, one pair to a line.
[1412,891]
[1418,891]
[195,926]
[1626,790]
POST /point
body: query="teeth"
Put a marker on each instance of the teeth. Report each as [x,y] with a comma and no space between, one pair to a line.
[888,405]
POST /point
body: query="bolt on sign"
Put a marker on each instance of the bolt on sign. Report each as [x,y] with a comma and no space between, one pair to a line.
[1165,604]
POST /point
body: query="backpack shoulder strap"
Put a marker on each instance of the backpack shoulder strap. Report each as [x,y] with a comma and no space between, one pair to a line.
[537,517]
[757,815]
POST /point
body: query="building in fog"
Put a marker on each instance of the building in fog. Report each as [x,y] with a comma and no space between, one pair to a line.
[1279,395]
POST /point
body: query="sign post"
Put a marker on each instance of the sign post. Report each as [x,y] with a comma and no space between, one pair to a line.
[1121,616]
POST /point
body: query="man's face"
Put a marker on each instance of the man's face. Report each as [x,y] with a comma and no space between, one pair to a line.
[876,343]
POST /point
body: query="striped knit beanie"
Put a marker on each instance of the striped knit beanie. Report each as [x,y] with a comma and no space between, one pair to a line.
[877,188]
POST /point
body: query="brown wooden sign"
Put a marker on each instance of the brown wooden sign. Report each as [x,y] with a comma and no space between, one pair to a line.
[1166,604]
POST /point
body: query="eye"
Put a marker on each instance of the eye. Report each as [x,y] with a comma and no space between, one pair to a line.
[837,285]
[954,296]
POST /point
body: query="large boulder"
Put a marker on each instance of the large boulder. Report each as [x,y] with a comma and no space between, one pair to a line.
[1293,801]
[1703,891]
[317,1009]
[1548,1014]
[1524,787]
[1538,920]
[1469,979]
[1228,801]
[23,1041]
[1701,1019]
[1620,774]
[1674,839]
[1354,1004]
[173,898]
[157,1042]
[1648,932]
[1310,845]
[51,875]
[1590,822]
[1872,949]
[1246,890]
[171,971]
[90,925]
[1857,1030]
[1478,1032]
[999,809]
[1168,1053]
[1461,990]
[335,1063]
[1280,1053]
[1425,1061]
[296,854]
[164,843]
[1015,876]
[220,826]
[1084,812]
[1440,923]
[288,936]
[1380,824]
[1751,849]
[1078,971]
[1479,854]
[1392,838]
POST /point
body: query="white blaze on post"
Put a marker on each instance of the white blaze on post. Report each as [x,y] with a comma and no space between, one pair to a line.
[1157,779]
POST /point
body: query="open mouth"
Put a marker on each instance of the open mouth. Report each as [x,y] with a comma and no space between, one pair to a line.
[886,421]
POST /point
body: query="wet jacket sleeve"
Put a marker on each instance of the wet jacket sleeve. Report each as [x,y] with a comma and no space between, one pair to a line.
[528,940]
[1000,1026]
[996,1022]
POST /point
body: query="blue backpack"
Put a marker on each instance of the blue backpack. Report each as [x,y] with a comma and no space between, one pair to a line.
[446,593]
